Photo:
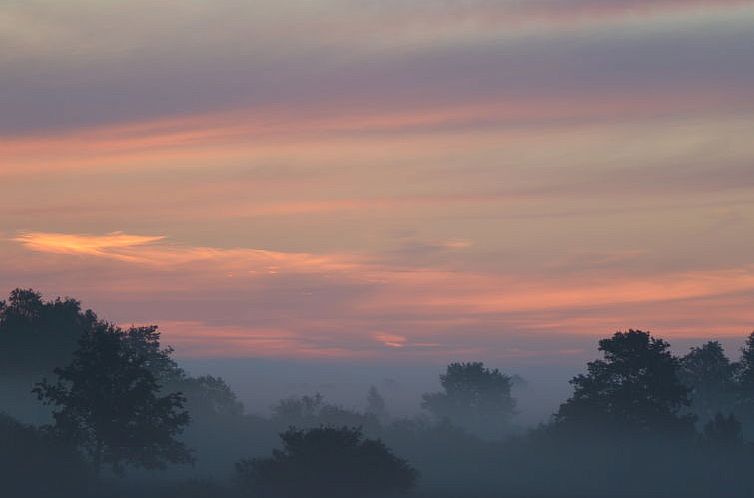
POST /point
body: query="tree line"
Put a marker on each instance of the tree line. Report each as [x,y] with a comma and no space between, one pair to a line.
[94,409]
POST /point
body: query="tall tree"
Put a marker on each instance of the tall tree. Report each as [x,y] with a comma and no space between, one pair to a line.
[326,462]
[634,389]
[744,377]
[108,401]
[709,375]
[475,398]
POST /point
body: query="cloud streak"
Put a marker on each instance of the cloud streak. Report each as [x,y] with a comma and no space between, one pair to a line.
[382,178]
[307,305]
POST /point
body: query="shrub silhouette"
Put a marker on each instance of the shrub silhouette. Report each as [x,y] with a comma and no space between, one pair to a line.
[326,462]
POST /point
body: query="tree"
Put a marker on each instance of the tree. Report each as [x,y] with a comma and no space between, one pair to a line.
[35,337]
[474,397]
[326,462]
[108,401]
[744,379]
[376,404]
[210,398]
[634,389]
[709,375]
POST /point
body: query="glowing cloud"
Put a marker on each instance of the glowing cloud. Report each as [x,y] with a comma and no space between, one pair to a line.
[111,244]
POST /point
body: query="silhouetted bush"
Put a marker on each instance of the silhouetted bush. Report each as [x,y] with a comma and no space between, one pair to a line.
[326,462]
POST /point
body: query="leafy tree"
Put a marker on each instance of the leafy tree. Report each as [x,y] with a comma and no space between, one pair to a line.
[376,404]
[475,398]
[745,368]
[326,462]
[709,375]
[36,336]
[744,379]
[634,389]
[209,398]
[108,401]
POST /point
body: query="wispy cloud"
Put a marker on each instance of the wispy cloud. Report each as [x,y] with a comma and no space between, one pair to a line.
[271,303]
[115,245]
[388,178]
[143,250]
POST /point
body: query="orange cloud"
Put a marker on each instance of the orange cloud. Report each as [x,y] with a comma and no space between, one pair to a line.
[330,305]
[144,251]
[110,245]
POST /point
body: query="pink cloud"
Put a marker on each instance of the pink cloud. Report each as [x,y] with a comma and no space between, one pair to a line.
[269,303]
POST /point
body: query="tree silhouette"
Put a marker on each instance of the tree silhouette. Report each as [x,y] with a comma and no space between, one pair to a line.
[209,397]
[635,389]
[709,375]
[108,401]
[744,377]
[474,397]
[326,462]
[37,336]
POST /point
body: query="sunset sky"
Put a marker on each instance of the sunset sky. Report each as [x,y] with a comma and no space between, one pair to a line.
[439,179]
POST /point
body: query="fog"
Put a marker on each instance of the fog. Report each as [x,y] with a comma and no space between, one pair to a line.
[89,409]
[261,382]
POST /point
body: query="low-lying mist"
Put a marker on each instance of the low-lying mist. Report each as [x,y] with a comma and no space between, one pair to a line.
[90,409]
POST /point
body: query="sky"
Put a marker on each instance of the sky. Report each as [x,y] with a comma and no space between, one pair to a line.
[430,180]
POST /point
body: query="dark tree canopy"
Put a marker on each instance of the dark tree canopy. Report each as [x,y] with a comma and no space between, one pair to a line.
[744,378]
[108,401]
[37,336]
[745,369]
[474,397]
[209,397]
[634,389]
[710,377]
[326,462]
